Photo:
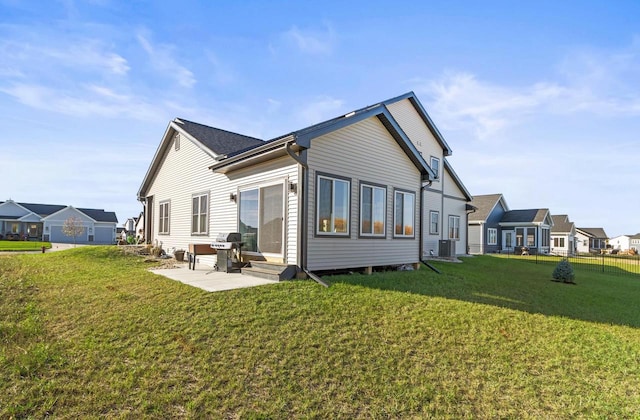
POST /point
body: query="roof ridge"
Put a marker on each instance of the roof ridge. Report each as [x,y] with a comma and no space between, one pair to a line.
[183,120]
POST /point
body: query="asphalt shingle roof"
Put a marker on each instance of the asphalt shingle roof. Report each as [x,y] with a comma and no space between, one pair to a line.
[221,142]
[561,224]
[524,216]
[483,204]
[595,232]
[44,210]
[100,215]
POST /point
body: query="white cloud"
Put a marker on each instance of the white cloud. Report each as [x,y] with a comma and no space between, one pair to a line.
[162,59]
[91,101]
[309,41]
[318,110]
[605,84]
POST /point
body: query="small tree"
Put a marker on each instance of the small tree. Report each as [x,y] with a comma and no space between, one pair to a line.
[73,227]
[564,272]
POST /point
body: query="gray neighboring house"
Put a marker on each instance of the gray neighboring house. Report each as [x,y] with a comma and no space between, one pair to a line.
[591,240]
[563,235]
[530,228]
[44,222]
[485,232]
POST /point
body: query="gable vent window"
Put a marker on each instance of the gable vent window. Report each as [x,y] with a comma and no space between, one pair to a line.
[176,142]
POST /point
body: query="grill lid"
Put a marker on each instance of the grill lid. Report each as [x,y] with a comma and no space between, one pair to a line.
[229,237]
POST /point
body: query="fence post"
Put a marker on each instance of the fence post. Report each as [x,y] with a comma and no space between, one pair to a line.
[602,262]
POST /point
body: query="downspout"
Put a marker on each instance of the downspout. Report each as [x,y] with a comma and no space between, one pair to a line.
[421,245]
[303,211]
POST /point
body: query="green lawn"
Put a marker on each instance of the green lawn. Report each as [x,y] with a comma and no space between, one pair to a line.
[89,332]
[23,245]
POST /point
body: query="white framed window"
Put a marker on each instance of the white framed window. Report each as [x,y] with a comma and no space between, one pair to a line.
[404,214]
[434,222]
[373,210]
[454,227]
[332,205]
[492,236]
[200,214]
[163,225]
[435,165]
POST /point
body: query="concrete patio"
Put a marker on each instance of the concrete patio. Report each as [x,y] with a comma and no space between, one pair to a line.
[211,281]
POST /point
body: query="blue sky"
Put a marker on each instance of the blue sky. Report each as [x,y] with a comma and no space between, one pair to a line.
[538,100]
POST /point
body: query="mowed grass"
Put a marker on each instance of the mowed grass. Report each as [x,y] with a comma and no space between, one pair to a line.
[91,333]
[23,245]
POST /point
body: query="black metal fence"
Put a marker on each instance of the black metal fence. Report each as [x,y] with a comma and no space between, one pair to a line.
[626,265]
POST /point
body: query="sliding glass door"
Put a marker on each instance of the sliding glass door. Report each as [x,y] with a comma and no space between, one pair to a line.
[261,219]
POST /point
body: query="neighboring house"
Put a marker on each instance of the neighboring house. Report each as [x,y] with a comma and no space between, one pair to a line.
[139,228]
[45,221]
[526,228]
[591,240]
[625,242]
[130,225]
[621,243]
[485,232]
[350,192]
[563,235]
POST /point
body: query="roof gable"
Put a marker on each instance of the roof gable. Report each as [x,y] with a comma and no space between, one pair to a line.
[67,212]
[561,224]
[11,209]
[485,204]
[212,141]
[424,116]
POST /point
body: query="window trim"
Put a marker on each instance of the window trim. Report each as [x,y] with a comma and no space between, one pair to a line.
[495,236]
[437,173]
[166,203]
[333,178]
[431,214]
[454,217]
[404,192]
[200,195]
[372,235]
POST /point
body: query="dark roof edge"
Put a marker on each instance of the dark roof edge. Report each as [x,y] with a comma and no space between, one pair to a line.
[457,180]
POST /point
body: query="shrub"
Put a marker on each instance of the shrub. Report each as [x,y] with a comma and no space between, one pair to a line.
[564,272]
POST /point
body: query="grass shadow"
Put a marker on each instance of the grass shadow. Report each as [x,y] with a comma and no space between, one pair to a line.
[515,284]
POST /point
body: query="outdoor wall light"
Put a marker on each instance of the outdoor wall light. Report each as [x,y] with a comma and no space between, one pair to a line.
[233,197]
[293,188]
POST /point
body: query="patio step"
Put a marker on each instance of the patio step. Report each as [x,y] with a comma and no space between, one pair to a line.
[270,271]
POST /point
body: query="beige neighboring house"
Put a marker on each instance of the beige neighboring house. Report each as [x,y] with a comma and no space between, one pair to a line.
[369,188]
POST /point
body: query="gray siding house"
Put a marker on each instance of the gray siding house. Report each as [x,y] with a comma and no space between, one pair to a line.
[485,232]
[44,222]
[530,229]
[350,192]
